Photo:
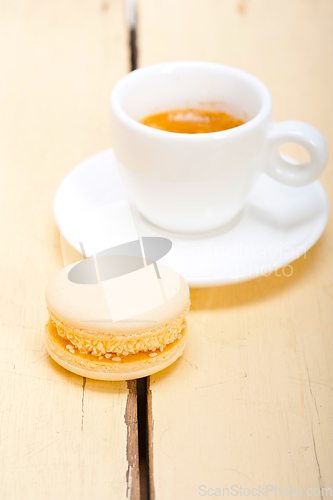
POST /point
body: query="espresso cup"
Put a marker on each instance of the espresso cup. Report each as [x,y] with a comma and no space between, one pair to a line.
[192,183]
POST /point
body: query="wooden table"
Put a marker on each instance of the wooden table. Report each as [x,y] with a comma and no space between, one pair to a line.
[250,402]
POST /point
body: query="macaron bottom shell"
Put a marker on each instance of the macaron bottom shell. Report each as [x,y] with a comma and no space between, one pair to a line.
[130,367]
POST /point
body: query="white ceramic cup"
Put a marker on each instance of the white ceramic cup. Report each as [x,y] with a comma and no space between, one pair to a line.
[193,183]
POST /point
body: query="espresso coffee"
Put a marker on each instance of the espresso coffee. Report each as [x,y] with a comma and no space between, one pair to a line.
[192,121]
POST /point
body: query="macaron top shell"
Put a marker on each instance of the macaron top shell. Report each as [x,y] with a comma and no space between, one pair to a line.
[142,300]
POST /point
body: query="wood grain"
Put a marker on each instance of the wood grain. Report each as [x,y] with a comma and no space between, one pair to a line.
[61,436]
[250,401]
[132,449]
[150,430]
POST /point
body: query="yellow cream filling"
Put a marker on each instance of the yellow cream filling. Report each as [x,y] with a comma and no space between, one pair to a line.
[90,343]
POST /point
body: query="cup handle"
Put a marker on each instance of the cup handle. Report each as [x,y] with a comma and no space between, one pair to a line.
[305,135]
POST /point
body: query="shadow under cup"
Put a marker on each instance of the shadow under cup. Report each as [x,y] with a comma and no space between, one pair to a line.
[189,183]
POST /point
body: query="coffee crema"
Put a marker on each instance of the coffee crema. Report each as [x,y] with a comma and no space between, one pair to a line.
[192,121]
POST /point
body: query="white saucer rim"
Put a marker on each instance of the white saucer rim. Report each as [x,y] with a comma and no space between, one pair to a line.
[306,246]
[208,282]
[70,174]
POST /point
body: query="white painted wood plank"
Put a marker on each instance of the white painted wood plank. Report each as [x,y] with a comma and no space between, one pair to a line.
[250,402]
[61,436]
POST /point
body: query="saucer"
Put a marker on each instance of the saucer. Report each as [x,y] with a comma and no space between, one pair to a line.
[278,225]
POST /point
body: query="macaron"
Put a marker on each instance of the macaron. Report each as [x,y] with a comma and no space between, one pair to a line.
[124,328]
